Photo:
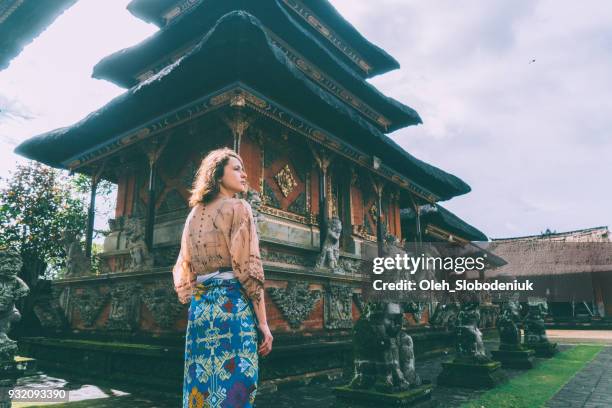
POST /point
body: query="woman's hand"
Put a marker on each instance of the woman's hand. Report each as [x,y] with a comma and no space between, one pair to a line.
[184,291]
[266,346]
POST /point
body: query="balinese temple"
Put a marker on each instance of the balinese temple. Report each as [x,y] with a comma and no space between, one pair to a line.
[284,82]
[23,20]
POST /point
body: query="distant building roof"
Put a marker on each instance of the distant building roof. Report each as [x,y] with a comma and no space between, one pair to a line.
[21,21]
[595,234]
[572,252]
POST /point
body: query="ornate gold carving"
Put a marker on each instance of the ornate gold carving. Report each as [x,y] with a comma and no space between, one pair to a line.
[374,212]
[307,220]
[238,100]
[221,99]
[260,103]
[326,81]
[338,42]
[285,180]
[360,231]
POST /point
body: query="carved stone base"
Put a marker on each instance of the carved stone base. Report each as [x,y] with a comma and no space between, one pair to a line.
[10,371]
[512,356]
[544,350]
[371,398]
[17,368]
[485,375]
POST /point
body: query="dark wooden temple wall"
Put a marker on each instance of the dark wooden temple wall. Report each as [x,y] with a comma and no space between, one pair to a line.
[177,165]
[125,194]
[251,153]
[314,190]
[602,285]
[356,204]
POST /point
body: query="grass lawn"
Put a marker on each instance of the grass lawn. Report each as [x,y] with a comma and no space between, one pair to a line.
[539,384]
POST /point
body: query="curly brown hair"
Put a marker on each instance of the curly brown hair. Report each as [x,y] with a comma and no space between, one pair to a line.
[206,181]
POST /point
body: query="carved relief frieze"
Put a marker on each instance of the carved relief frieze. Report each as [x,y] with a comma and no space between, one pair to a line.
[125,306]
[295,302]
[89,302]
[338,307]
[160,299]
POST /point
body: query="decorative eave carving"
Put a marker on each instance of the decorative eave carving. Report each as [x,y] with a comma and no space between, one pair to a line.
[240,93]
[295,302]
[315,22]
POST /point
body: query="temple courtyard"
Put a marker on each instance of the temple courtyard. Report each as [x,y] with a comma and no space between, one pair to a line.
[578,376]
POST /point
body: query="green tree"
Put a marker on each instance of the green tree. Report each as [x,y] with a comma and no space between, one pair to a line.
[37,204]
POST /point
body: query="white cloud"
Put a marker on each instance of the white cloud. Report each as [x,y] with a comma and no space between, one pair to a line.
[532,138]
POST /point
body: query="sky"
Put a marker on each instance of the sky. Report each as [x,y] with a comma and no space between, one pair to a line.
[515,96]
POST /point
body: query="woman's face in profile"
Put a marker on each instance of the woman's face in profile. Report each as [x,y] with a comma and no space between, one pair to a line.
[234,177]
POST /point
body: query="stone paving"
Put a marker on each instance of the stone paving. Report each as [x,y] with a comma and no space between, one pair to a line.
[319,395]
[580,336]
[592,387]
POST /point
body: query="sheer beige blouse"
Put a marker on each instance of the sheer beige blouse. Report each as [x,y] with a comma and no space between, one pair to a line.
[215,235]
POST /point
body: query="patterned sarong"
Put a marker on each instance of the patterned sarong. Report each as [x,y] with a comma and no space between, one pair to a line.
[221,361]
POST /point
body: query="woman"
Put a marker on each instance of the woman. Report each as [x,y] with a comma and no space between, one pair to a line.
[219,272]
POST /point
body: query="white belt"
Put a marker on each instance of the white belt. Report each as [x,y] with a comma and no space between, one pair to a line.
[215,274]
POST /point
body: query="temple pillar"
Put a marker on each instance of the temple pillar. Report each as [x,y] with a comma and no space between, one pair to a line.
[378,189]
[237,121]
[91,211]
[323,160]
[153,151]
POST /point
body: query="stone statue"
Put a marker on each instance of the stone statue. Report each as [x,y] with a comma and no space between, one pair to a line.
[12,288]
[509,332]
[331,246]
[139,253]
[471,367]
[535,329]
[469,338]
[446,316]
[76,261]
[511,353]
[384,352]
[254,199]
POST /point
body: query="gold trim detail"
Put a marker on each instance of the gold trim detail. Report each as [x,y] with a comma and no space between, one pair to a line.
[445,235]
[315,22]
[326,82]
[285,180]
[308,220]
[360,231]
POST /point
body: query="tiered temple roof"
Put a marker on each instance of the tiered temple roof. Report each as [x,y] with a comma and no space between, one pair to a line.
[23,20]
[314,55]
[439,224]
[317,17]
[239,52]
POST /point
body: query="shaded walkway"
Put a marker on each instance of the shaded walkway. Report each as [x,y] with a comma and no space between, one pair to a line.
[590,388]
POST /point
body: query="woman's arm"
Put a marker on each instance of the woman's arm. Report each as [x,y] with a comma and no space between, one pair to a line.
[183,276]
[260,311]
[247,265]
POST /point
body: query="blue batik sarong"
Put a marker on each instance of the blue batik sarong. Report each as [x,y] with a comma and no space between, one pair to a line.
[221,361]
